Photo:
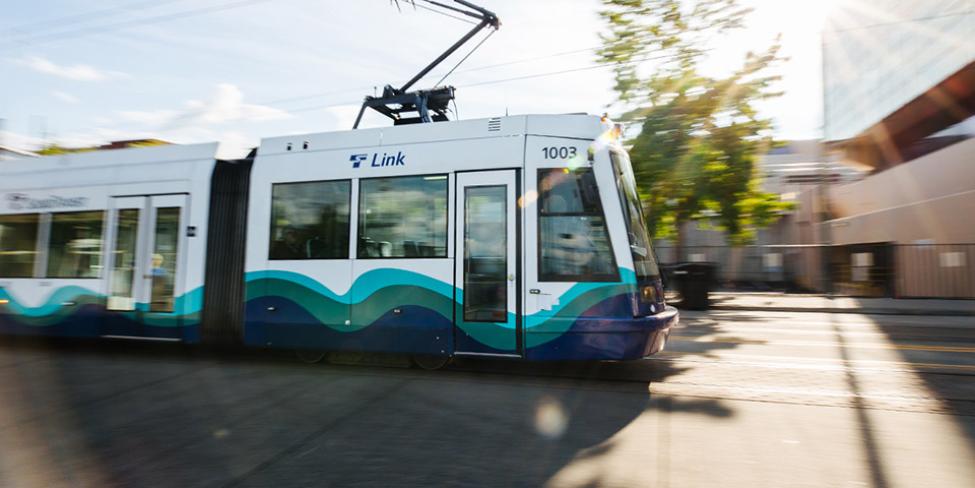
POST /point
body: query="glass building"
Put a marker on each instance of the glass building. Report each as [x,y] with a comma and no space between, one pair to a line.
[879,55]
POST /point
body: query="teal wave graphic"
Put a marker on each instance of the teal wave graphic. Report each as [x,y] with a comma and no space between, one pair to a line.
[374,294]
[187,306]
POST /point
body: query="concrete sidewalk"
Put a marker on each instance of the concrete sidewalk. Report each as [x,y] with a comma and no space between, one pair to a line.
[819,303]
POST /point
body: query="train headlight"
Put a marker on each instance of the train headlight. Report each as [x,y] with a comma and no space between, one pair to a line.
[649,294]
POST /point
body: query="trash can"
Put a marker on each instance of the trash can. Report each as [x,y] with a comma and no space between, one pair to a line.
[694,283]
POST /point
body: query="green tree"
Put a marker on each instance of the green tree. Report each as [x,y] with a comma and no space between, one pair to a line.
[54,149]
[699,136]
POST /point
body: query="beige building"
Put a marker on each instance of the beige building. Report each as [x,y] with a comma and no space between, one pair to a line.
[900,100]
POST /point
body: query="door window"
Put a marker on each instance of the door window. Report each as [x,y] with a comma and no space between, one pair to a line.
[485,254]
[123,277]
[164,259]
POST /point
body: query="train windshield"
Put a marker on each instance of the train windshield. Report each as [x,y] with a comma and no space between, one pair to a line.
[644,261]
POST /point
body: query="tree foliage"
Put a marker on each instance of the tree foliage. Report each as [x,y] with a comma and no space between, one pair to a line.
[694,156]
[54,149]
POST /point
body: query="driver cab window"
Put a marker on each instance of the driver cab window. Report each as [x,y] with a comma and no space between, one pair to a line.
[573,241]
[310,220]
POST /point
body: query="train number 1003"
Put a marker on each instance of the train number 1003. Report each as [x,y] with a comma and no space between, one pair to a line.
[564,152]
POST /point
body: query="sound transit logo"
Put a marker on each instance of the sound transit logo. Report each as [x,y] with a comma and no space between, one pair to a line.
[20,201]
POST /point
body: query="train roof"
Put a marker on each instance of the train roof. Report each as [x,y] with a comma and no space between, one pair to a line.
[567,125]
[570,125]
[110,158]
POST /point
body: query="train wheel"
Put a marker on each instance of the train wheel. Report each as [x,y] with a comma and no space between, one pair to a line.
[431,363]
[310,356]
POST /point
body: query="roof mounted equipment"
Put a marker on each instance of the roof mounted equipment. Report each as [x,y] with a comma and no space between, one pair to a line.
[428,105]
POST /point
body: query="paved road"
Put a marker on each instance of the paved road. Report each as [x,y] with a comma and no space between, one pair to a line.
[739,399]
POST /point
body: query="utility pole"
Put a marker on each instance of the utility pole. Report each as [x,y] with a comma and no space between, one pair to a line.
[825,236]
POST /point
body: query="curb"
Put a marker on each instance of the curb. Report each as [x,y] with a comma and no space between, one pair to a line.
[863,311]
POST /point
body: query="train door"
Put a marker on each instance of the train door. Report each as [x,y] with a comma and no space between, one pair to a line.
[145,277]
[487,316]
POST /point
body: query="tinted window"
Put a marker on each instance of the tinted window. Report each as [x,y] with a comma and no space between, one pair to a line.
[75,247]
[403,217]
[573,242]
[18,245]
[644,261]
[310,220]
[165,253]
[123,277]
[485,254]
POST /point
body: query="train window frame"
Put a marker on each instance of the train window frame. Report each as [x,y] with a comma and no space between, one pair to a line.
[38,252]
[49,242]
[348,233]
[446,177]
[543,277]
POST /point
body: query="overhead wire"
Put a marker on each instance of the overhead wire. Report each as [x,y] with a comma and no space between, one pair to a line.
[455,9]
[191,114]
[243,3]
[469,70]
[445,14]
[565,71]
[511,79]
[60,22]
[80,32]
[490,33]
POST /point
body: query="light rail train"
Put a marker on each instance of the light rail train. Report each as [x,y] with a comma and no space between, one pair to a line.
[517,237]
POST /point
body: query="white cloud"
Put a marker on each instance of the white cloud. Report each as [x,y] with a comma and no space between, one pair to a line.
[153,117]
[215,119]
[77,72]
[65,97]
[227,105]
[341,117]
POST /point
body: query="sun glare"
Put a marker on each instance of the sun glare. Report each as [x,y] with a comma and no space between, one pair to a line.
[795,16]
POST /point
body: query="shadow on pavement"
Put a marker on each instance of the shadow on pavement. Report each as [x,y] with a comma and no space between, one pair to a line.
[120,414]
[946,374]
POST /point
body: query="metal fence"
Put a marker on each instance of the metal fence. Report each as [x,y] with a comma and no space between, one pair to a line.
[867,270]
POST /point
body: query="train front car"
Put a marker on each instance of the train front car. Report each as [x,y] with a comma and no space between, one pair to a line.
[595,292]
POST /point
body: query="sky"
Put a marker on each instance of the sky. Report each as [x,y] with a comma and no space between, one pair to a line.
[77,72]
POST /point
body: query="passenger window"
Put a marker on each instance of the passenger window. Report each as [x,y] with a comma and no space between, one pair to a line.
[403,217]
[75,247]
[18,245]
[310,220]
[573,241]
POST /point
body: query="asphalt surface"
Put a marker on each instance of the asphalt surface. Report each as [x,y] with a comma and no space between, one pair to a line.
[738,399]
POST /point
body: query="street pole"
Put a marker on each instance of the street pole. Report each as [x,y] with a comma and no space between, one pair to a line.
[824,230]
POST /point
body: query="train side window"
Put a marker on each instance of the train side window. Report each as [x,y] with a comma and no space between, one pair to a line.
[310,220]
[75,247]
[18,245]
[403,217]
[573,242]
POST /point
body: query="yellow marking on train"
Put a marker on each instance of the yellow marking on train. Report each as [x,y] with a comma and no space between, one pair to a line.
[902,347]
